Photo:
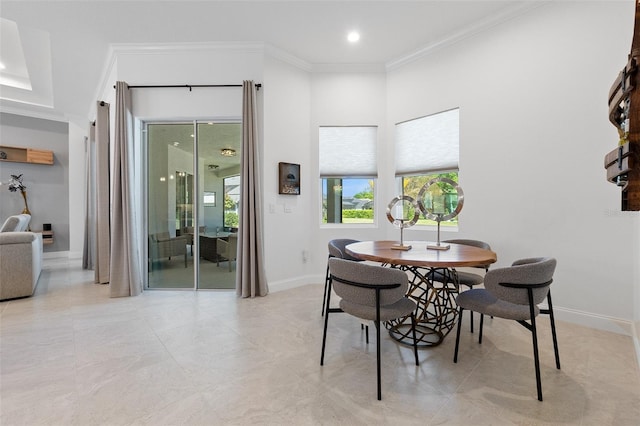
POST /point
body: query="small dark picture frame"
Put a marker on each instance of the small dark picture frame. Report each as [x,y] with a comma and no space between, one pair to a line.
[289,178]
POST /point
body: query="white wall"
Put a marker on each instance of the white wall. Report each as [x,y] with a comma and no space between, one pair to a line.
[636,281]
[288,230]
[532,95]
[77,178]
[533,115]
[349,99]
[47,185]
[199,65]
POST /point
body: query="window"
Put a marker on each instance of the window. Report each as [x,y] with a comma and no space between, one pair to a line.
[231,202]
[427,148]
[348,171]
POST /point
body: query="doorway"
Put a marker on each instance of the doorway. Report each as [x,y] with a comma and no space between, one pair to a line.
[188,164]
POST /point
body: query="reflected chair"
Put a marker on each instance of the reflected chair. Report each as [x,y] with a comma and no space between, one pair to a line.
[188,232]
[162,246]
[227,249]
[336,249]
[515,293]
[372,293]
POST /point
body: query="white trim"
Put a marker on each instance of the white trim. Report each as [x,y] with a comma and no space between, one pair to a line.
[635,327]
[171,48]
[109,64]
[29,110]
[286,57]
[57,255]
[295,282]
[599,322]
[348,68]
[483,25]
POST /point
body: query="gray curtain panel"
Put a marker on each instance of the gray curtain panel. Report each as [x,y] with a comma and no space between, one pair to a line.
[88,250]
[102,195]
[126,279]
[250,274]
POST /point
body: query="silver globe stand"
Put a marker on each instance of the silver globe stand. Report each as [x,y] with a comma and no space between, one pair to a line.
[439,245]
[439,217]
[402,222]
[401,246]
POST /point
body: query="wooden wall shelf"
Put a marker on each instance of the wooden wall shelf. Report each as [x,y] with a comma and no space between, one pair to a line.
[47,237]
[26,155]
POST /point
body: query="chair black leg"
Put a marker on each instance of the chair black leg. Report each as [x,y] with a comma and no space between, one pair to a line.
[415,340]
[455,353]
[366,331]
[534,335]
[326,321]
[326,285]
[553,331]
[481,327]
[378,359]
[471,320]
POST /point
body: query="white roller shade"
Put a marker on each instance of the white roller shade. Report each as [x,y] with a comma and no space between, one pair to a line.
[428,144]
[348,151]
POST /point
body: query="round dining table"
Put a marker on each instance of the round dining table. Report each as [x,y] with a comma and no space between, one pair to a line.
[433,283]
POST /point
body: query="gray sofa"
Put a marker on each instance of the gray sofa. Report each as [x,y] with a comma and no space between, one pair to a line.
[20,258]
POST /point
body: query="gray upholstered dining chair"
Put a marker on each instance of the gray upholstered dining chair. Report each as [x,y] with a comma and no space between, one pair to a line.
[373,293]
[469,279]
[336,249]
[514,293]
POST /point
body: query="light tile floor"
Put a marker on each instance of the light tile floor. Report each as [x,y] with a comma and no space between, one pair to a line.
[70,355]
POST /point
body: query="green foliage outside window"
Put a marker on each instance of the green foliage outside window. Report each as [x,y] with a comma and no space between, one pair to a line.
[231,219]
[357,214]
[229,204]
[413,184]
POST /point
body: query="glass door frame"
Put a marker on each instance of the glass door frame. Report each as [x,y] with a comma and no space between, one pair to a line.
[198,201]
[144,126]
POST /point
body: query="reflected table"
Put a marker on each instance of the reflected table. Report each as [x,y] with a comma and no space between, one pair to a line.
[433,283]
[208,245]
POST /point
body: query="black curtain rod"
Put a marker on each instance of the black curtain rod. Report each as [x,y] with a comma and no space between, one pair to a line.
[188,86]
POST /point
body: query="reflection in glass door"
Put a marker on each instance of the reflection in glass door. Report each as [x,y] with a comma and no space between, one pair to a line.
[188,241]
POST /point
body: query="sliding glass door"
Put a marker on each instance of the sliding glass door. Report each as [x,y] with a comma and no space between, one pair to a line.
[189,245]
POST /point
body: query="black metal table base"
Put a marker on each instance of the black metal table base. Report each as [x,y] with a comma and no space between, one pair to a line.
[436,311]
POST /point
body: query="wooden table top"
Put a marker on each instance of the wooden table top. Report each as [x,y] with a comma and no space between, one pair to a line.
[458,254]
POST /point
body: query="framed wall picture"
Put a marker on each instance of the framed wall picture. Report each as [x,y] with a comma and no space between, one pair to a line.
[209,199]
[289,178]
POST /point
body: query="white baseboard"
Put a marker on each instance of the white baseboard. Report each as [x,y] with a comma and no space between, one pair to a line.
[295,282]
[636,339]
[599,322]
[73,255]
[55,255]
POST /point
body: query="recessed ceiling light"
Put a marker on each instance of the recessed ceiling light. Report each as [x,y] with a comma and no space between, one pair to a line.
[353,36]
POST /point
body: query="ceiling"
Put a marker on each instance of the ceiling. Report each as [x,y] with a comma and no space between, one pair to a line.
[66,43]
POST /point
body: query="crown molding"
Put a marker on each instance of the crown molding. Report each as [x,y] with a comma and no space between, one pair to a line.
[287,57]
[484,25]
[109,65]
[33,111]
[349,68]
[170,48]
